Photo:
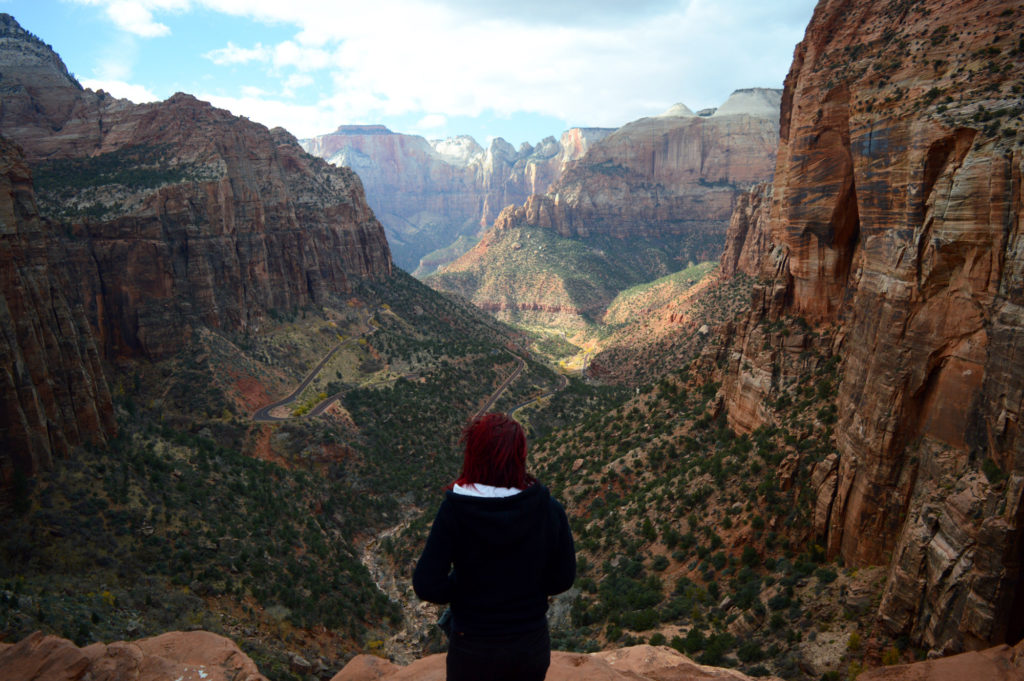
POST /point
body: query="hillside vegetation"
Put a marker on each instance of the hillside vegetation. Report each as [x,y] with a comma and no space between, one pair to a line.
[196,517]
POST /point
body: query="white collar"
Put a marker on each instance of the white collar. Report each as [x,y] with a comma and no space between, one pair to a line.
[477,489]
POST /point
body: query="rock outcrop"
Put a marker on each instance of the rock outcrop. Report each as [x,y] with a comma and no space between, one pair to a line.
[636,663]
[185,656]
[155,219]
[896,229]
[428,193]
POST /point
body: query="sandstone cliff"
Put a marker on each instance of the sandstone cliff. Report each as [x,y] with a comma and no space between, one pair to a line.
[53,393]
[671,174]
[895,228]
[429,193]
[157,219]
[181,213]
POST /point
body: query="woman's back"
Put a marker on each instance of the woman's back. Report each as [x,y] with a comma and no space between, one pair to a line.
[509,554]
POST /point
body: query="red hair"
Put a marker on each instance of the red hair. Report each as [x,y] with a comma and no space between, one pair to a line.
[495,453]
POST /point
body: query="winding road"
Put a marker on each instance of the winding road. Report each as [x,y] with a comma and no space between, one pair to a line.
[263,415]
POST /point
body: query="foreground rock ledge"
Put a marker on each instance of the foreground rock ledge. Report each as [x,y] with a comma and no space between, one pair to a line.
[203,656]
[637,663]
[177,656]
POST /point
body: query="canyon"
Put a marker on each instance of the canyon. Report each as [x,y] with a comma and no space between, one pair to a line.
[870,213]
[427,194]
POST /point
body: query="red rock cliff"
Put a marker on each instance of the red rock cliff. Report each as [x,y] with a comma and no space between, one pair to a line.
[53,393]
[156,219]
[896,226]
[181,214]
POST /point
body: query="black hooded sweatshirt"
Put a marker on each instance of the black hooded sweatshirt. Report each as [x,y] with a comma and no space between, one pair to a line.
[509,554]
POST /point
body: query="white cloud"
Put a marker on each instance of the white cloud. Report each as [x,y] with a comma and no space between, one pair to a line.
[136,18]
[296,81]
[299,119]
[301,57]
[406,57]
[122,90]
[233,54]
[373,59]
[430,122]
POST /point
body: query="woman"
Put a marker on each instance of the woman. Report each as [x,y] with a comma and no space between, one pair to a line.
[499,546]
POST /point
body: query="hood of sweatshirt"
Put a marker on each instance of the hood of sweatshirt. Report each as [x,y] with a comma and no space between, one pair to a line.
[501,521]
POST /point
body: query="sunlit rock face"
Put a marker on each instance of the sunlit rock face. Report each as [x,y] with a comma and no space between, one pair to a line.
[676,173]
[895,228]
[428,193]
[643,202]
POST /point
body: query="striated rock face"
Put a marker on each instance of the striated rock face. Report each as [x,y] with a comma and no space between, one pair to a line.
[186,656]
[53,393]
[182,214]
[636,663]
[669,174]
[895,227]
[427,194]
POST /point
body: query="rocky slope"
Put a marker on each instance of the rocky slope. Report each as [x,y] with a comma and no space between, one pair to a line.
[428,193]
[157,219]
[894,228]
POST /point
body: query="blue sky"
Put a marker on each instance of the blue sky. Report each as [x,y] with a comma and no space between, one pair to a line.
[518,69]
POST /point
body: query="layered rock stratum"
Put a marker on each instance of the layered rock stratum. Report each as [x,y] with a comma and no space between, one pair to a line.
[147,222]
[429,193]
[894,228]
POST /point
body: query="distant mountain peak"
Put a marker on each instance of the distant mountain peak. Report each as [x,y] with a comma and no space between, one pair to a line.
[677,110]
[756,101]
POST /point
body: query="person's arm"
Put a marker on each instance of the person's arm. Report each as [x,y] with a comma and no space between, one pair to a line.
[561,571]
[433,579]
